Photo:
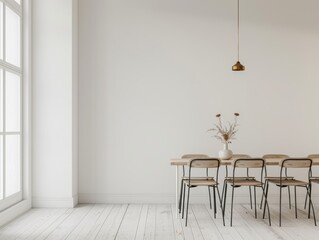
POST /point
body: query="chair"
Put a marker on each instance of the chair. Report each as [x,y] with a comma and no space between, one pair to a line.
[280,156]
[184,178]
[312,179]
[283,181]
[207,181]
[237,156]
[235,182]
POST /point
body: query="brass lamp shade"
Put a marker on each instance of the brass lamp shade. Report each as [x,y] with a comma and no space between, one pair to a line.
[238,67]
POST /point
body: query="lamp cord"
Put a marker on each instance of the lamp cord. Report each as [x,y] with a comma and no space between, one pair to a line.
[238,30]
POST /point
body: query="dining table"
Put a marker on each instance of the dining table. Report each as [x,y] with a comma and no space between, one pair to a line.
[179,162]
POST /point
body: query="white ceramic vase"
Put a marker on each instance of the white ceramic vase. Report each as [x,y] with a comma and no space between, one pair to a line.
[225,154]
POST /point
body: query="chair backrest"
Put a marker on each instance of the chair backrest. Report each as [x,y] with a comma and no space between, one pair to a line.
[296,163]
[249,163]
[275,156]
[195,156]
[313,156]
[305,163]
[204,163]
[241,156]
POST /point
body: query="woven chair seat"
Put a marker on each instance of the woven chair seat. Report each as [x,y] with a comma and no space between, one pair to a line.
[289,182]
[245,182]
[195,183]
[275,178]
[239,178]
[199,178]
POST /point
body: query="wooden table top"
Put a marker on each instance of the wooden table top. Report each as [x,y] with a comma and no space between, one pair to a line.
[269,161]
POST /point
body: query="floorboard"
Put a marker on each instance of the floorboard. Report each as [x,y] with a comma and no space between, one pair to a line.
[164,223]
[150,224]
[63,230]
[141,223]
[82,230]
[112,224]
[128,228]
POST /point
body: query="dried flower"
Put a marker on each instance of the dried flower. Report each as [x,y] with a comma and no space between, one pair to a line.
[225,133]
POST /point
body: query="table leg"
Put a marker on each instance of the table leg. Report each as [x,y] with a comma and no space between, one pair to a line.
[177,191]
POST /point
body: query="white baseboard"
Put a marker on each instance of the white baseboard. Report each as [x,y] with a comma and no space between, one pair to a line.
[41,202]
[125,198]
[170,199]
[14,211]
[75,200]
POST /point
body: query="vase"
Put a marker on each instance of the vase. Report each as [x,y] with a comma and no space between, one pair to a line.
[225,154]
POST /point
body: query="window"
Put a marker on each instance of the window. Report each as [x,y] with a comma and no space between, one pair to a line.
[10,102]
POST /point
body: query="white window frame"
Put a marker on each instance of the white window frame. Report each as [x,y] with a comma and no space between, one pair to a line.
[17,197]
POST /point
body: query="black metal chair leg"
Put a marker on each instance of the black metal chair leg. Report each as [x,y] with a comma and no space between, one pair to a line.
[295,201]
[224,205]
[255,201]
[180,197]
[187,205]
[224,182]
[311,205]
[286,173]
[268,213]
[219,197]
[214,196]
[251,201]
[310,189]
[232,206]
[261,201]
[280,206]
[289,197]
[223,189]
[262,196]
[210,198]
[313,212]
[223,194]
[266,203]
[306,200]
[183,204]
[266,195]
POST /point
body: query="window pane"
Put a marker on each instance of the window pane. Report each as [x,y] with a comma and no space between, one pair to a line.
[12,37]
[1,167]
[1,101]
[1,30]
[12,103]
[12,165]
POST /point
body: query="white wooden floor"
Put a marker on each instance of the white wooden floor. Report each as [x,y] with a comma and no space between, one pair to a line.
[97,221]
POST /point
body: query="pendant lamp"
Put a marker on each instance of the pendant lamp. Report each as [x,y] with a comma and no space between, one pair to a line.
[238,66]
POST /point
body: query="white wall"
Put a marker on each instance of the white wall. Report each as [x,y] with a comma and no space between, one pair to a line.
[54,103]
[153,74]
